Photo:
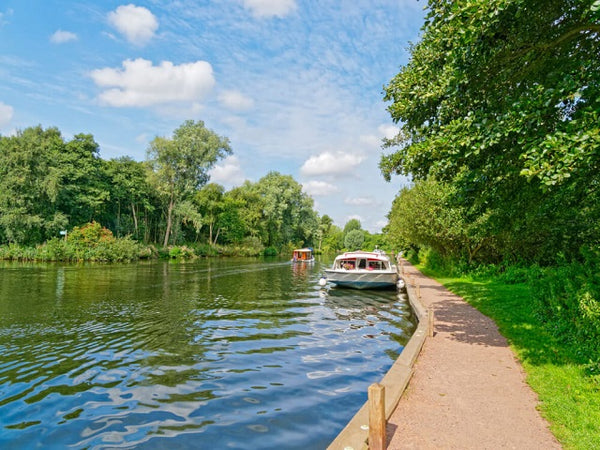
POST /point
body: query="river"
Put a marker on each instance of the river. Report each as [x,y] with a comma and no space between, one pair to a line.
[214,353]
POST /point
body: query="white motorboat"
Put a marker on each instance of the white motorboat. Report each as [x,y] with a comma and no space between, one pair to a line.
[363,270]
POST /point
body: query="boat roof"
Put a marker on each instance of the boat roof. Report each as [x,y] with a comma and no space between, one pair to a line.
[303,250]
[363,254]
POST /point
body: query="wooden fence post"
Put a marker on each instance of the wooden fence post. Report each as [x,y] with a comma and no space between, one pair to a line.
[377,422]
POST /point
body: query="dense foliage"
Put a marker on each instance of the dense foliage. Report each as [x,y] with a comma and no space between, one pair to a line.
[500,102]
[499,114]
[50,185]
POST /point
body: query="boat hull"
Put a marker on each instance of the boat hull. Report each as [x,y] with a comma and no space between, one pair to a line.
[359,279]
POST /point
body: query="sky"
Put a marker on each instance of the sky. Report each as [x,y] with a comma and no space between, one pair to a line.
[296,85]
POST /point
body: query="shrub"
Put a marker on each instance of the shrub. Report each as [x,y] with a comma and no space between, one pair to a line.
[567,299]
[270,251]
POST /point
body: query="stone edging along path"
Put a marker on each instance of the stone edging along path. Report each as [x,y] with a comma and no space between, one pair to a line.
[355,434]
[466,391]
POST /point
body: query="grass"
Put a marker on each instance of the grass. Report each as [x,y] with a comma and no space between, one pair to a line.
[569,396]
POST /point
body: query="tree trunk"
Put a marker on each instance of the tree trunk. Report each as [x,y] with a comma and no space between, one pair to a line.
[135,223]
[169,221]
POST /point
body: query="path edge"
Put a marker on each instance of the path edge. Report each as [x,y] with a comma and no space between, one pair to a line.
[354,435]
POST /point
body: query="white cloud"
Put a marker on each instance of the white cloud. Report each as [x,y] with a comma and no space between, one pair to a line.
[236,101]
[6,114]
[319,188]
[360,201]
[270,8]
[229,172]
[329,163]
[136,23]
[141,84]
[60,37]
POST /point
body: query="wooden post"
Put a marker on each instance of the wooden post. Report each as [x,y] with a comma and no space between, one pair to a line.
[430,322]
[377,422]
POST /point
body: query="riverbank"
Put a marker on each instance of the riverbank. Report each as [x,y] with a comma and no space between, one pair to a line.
[467,389]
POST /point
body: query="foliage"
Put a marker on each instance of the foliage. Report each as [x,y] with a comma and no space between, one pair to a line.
[287,212]
[501,101]
[49,184]
[352,224]
[567,300]
[180,165]
[423,215]
[181,252]
[270,251]
[354,240]
[91,242]
[31,181]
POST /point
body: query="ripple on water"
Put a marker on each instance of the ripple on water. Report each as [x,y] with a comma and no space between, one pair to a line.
[231,354]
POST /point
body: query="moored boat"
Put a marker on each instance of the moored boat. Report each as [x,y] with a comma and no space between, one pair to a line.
[303,255]
[363,270]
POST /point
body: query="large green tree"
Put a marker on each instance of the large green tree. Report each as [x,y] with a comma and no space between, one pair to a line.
[288,214]
[501,98]
[181,164]
[30,184]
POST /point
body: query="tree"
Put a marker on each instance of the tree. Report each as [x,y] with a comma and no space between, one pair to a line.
[30,184]
[354,240]
[325,224]
[352,224]
[181,163]
[84,193]
[422,215]
[288,213]
[129,192]
[501,99]
[211,203]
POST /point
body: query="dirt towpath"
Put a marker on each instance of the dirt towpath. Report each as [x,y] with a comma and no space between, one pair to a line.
[468,390]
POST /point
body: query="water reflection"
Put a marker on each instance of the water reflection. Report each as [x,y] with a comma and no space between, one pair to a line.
[215,353]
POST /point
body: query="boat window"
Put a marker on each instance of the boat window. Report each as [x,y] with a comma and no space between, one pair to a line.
[362,263]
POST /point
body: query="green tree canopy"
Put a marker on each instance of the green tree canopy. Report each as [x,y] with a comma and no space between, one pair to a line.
[354,240]
[502,100]
[181,163]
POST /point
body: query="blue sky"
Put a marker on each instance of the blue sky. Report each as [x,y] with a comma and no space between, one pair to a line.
[296,85]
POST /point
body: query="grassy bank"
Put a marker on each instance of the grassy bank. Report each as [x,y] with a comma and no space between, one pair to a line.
[567,385]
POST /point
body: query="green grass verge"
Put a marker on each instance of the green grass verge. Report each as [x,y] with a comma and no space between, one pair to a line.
[569,396]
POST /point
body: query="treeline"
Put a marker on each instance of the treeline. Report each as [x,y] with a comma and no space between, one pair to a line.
[499,110]
[49,185]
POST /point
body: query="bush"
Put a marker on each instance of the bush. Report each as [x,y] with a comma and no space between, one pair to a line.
[270,251]
[567,299]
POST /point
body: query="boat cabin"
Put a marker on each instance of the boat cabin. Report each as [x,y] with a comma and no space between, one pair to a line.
[302,254]
[361,262]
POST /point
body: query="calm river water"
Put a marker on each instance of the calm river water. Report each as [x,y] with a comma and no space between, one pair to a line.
[215,353]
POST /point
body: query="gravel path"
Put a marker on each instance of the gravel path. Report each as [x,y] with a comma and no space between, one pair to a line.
[468,390]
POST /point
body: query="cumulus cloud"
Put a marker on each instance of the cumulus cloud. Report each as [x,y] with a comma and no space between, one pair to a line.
[329,163]
[60,37]
[236,101]
[6,114]
[319,188]
[136,23]
[270,8]
[229,172]
[140,83]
